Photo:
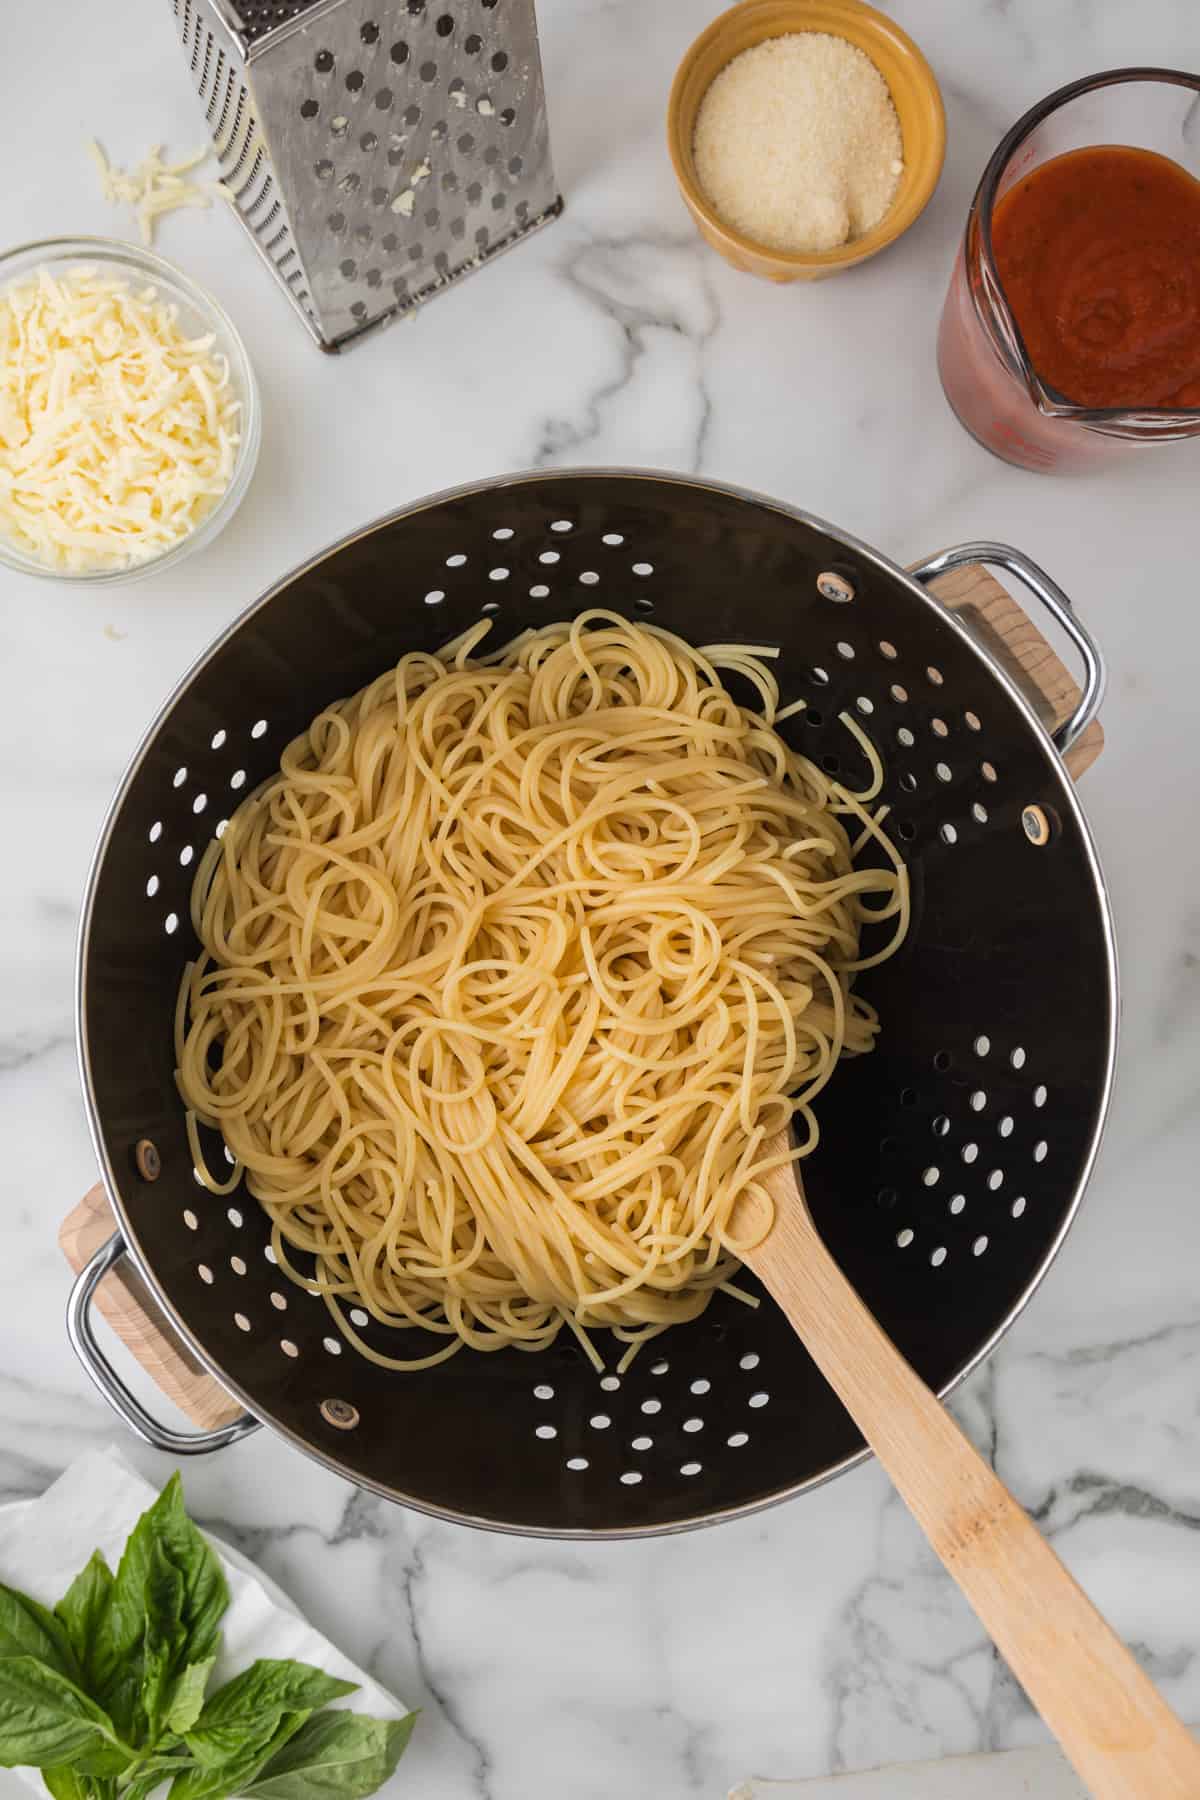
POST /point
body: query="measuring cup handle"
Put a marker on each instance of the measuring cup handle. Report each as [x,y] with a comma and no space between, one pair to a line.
[1015,562]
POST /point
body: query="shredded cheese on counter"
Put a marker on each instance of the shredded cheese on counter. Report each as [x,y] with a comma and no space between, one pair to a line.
[155,187]
[118,432]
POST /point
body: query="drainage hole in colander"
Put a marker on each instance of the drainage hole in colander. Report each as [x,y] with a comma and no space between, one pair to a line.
[205,1273]
[978,1100]
[979,813]
[941,1126]
[845,650]
[940,728]
[898,693]
[701,1386]
[241,1321]
[179,777]
[908,1096]
[886,1198]
[904,736]
[759,1399]
[957,1203]
[185,855]
[660,1368]
[979,1246]
[1039,1095]
[971,721]
[278,1300]
[539,592]
[493,606]
[288,1348]
[1018,1206]
[644,605]
[1040,1150]
[198,1178]
[613,539]
[1005,1125]
[738,1438]
[888,650]
[221,827]
[935,675]
[904,1238]
[907,830]
[648,1406]
[155,831]
[190,1219]
[642,568]
[982,1045]
[237,1265]
[238,778]
[970,1152]
[152,887]
[938,1256]
[987,770]
[631,1477]
[434,597]
[502,533]
[577,1462]
[359,1317]
[218,738]
[543,1391]
[693,1424]
[498,574]
[750,1360]
[171,924]
[863,704]
[813,717]
[643,1443]
[548,556]
[831,764]
[589,577]
[942,771]
[610,1383]
[456,561]
[995,1179]
[269,1254]
[908,782]
[228,1154]
[820,676]
[931,1176]
[601,1421]
[546,1431]
[1017,1058]
[234,1216]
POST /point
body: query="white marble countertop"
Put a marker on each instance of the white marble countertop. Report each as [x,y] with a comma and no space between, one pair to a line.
[820,1635]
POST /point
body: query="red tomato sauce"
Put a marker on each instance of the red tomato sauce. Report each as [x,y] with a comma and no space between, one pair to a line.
[1098,253]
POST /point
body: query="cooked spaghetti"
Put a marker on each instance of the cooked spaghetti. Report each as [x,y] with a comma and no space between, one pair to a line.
[512,970]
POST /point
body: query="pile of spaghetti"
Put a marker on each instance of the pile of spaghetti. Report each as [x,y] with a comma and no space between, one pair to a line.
[513,970]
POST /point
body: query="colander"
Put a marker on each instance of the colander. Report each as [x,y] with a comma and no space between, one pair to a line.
[952,1159]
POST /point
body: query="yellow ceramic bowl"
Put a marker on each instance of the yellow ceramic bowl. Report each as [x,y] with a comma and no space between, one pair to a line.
[914,92]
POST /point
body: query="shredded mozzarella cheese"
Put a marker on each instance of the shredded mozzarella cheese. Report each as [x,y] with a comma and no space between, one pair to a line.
[155,187]
[118,432]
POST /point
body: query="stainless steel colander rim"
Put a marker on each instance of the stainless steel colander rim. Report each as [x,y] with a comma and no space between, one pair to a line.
[1068,798]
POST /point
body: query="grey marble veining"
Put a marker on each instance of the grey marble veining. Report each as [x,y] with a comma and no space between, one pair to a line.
[824,1634]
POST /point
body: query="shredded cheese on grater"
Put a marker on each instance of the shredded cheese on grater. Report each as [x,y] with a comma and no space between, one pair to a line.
[155,187]
[118,432]
[797,142]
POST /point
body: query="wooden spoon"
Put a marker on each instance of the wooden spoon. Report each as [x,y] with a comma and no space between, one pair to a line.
[1113,1724]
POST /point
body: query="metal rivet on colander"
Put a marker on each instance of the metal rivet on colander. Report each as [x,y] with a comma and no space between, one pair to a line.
[1036,825]
[832,586]
[147,1160]
[339,1413]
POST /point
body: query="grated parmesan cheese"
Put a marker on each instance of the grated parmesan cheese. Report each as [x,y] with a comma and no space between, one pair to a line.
[797,143]
[118,432]
[155,187]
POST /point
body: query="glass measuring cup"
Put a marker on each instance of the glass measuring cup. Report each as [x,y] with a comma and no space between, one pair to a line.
[986,371]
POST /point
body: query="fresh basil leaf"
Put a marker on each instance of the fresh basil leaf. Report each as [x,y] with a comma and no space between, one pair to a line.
[83,1611]
[234,1773]
[335,1756]
[45,1720]
[187,1700]
[29,1629]
[162,1644]
[66,1783]
[252,1704]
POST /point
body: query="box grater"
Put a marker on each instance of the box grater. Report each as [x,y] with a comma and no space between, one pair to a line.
[376,150]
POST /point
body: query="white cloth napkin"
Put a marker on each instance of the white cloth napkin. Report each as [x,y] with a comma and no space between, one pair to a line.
[94,1506]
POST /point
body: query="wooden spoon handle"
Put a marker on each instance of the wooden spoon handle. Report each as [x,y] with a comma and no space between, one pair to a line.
[1117,1730]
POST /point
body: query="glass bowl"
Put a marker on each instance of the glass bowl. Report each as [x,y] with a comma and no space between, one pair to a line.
[199,313]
